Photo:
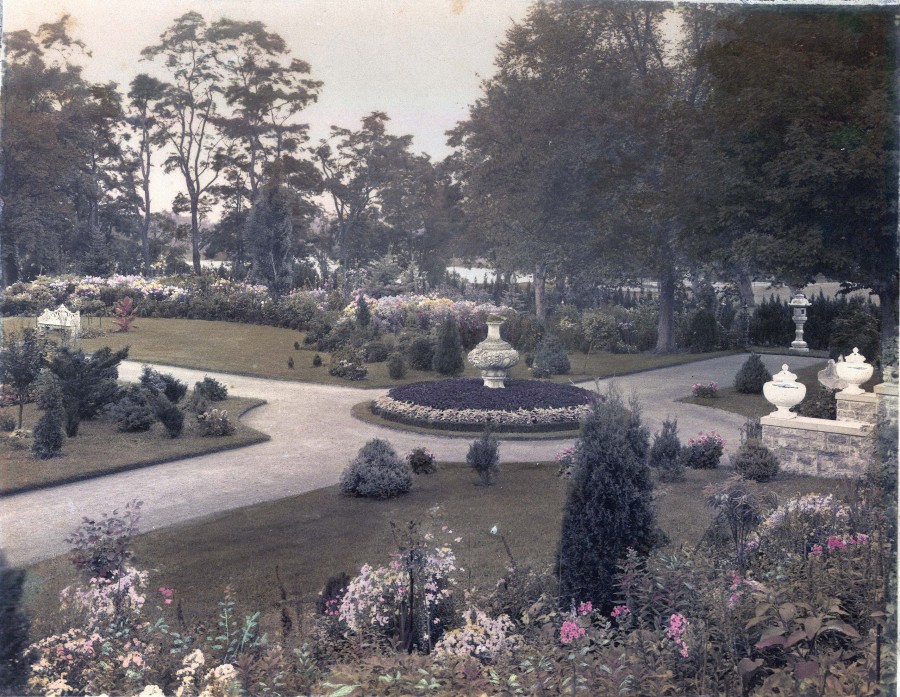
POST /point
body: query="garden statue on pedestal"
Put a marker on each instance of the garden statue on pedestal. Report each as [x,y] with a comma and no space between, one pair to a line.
[493,356]
[854,371]
[784,392]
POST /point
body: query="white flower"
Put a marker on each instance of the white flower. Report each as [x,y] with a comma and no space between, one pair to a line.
[494,530]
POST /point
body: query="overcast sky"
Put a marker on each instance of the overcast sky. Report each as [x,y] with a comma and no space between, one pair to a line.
[420,61]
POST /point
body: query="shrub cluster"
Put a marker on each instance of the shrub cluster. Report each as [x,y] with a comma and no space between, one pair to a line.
[703,452]
[211,389]
[376,472]
[133,412]
[173,389]
[349,364]
[421,460]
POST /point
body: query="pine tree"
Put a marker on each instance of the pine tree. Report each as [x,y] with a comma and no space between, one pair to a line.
[609,507]
[363,313]
[448,358]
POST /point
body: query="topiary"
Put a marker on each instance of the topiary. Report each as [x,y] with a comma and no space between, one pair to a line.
[290,362]
[755,461]
[550,358]
[421,353]
[133,412]
[396,366]
[609,508]
[212,389]
[376,472]
[296,345]
[484,457]
[317,361]
[48,432]
[448,357]
[665,453]
[752,376]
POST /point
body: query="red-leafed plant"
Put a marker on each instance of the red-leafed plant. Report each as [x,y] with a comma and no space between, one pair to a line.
[125,313]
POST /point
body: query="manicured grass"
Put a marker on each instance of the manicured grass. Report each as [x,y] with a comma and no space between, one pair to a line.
[315,535]
[250,349]
[100,449]
[755,405]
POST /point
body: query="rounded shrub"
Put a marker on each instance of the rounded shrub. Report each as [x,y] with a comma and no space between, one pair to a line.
[375,352]
[550,358]
[171,387]
[133,412]
[665,453]
[420,353]
[703,452]
[755,461]
[820,403]
[484,458]
[212,389]
[317,361]
[170,416]
[376,472]
[396,366]
[421,461]
[752,376]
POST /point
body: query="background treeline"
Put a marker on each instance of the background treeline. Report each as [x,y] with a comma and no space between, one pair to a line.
[758,144]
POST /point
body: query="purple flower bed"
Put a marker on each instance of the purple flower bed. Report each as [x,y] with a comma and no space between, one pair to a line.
[470,393]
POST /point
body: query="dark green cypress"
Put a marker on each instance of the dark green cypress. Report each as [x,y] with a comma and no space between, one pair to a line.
[448,358]
[609,506]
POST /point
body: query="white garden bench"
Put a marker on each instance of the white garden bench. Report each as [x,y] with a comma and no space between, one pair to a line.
[61,319]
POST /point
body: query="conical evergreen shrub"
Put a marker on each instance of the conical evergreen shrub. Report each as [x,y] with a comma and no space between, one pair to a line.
[609,506]
[48,432]
[448,358]
[752,376]
[665,453]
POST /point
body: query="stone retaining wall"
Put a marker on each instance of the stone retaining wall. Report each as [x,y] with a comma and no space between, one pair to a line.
[819,447]
[856,407]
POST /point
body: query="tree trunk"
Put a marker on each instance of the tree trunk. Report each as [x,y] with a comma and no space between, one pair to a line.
[195,236]
[887,300]
[665,341]
[745,288]
[540,306]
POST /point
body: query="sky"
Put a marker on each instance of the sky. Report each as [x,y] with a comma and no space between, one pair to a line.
[419,61]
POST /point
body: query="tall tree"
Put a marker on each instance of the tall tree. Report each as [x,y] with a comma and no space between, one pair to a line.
[805,108]
[188,112]
[267,89]
[270,235]
[143,96]
[357,168]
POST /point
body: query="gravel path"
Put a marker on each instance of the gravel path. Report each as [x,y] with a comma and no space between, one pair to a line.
[313,438]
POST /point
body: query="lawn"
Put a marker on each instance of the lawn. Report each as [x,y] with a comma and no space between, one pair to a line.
[100,449]
[258,350]
[310,537]
[755,405]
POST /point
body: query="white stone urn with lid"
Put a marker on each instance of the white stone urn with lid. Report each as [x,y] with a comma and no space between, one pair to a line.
[784,392]
[854,371]
[493,356]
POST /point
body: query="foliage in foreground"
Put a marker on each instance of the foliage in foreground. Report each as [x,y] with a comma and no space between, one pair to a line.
[802,613]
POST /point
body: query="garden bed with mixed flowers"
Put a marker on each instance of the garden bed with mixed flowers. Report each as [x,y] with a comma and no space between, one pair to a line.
[462,404]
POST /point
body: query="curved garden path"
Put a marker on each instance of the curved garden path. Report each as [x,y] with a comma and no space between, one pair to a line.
[313,438]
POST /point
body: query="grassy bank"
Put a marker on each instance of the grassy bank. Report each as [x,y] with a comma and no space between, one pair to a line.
[100,449]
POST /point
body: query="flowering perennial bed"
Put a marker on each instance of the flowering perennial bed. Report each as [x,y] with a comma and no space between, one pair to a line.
[465,404]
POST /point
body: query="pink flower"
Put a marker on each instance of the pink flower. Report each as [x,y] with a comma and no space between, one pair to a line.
[836,543]
[585,608]
[675,632]
[569,632]
[816,550]
[619,611]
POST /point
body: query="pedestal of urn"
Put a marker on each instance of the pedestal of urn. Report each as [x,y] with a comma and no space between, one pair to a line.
[494,357]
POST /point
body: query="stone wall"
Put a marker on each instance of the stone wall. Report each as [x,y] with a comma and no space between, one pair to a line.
[856,407]
[887,401]
[819,447]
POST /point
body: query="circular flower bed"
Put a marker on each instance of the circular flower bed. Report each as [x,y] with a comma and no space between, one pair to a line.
[464,404]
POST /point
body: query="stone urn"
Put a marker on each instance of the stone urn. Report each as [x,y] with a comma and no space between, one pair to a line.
[493,356]
[854,371]
[784,392]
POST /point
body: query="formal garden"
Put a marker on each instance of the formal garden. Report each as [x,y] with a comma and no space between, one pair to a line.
[603,402]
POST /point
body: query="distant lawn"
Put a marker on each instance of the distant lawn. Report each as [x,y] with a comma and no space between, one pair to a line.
[262,351]
[100,449]
[315,535]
